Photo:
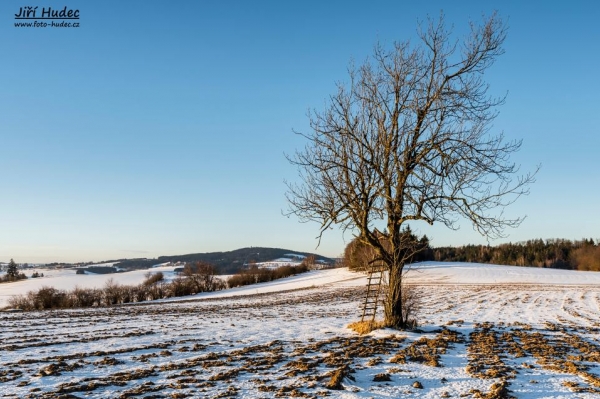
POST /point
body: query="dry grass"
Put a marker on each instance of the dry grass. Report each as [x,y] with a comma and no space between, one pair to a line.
[428,350]
[382,377]
[365,327]
[485,352]
[336,378]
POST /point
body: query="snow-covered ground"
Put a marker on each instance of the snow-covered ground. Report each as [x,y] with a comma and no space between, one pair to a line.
[537,329]
[477,273]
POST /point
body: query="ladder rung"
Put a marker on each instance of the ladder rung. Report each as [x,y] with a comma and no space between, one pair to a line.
[374,289]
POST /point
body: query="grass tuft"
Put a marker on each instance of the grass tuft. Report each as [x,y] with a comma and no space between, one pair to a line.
[365,327]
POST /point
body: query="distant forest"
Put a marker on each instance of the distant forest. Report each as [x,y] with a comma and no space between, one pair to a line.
[553,253]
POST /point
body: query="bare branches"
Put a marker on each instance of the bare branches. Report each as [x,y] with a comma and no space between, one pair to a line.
[408,139]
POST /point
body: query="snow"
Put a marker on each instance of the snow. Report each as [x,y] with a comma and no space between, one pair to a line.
[248,339]
[477,273]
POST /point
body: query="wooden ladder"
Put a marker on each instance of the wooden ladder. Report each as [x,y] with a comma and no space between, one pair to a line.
[374,284]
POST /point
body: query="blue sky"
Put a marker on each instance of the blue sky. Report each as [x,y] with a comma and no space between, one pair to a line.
[158,129]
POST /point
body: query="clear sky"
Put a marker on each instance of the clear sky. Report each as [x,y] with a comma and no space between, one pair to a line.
[159,128]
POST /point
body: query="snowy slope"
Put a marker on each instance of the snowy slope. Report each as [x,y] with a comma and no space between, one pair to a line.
[478,273]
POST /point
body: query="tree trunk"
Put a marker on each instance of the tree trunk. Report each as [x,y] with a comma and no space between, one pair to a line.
[395,315]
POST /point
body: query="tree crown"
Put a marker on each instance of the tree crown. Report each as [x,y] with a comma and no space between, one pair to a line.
[408,140]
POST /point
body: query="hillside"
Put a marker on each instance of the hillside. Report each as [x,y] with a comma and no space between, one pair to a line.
[225,262]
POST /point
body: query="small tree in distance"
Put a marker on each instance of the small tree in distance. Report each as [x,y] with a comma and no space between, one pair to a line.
[309,262]
[12,273]
[407,140]
[201,275]
[12,270]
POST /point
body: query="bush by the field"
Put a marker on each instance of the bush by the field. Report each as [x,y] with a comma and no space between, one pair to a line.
[258,275]
[113,293]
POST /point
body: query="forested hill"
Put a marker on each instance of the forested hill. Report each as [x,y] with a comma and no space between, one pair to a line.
[224,262]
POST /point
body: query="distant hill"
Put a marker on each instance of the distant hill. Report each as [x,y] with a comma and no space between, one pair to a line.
[225,262]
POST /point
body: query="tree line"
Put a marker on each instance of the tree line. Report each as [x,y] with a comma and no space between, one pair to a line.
[255,275]
[552,253]
[359,256]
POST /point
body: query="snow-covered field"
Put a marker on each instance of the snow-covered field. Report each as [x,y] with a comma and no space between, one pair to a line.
[536,329]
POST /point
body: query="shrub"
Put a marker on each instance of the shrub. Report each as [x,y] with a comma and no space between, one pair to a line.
[19,302]
[112,292]
[257,275]
[10,278]
[156,291]
[85,297]
[126,294]
[201,276]
[219,284]
[309,262]
[153,278]
[180,287]
[49,298]
[154,287]
[140,293]
[586,258]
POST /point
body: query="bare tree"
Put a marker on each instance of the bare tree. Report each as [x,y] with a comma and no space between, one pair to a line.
[408,140]
[201,275]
